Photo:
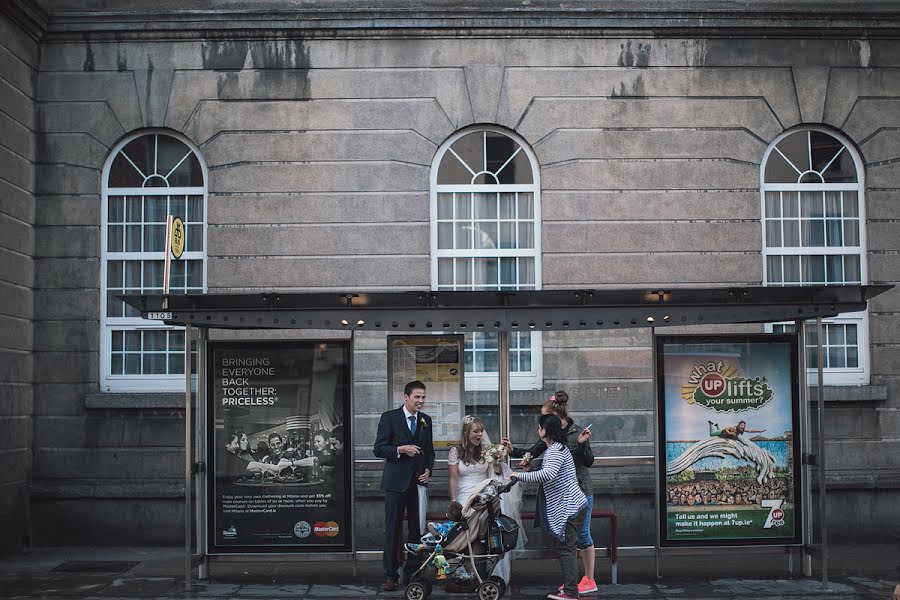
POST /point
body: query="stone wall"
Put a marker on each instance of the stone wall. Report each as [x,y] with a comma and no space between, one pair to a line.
[19,58]
[319,151]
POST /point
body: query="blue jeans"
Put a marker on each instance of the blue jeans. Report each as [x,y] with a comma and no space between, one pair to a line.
[584,530]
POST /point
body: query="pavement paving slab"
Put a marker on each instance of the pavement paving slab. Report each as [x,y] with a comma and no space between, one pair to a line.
[858,573]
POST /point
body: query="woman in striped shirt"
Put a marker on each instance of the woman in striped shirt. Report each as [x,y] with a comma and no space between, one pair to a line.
[561,505]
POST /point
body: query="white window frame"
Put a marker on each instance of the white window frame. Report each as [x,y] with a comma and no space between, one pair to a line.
[141,383]
[519,380]
[859,375]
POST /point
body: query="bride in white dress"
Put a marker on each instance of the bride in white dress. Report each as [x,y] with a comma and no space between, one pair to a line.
[468,468]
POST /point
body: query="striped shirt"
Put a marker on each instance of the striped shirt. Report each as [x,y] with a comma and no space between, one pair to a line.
[559,487]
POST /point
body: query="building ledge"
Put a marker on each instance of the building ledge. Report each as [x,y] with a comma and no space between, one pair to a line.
[134,400]
[851,393]
[119,488]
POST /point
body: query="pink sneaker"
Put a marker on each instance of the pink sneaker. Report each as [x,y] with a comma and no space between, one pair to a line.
[561,596]
[587,586]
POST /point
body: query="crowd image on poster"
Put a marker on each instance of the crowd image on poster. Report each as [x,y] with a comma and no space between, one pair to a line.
[279,470]
[728,427]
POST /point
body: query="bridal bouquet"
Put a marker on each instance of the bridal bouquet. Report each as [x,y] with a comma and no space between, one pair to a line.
[494,455]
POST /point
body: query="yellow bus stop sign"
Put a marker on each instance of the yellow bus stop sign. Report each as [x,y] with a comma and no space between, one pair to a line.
[177,237]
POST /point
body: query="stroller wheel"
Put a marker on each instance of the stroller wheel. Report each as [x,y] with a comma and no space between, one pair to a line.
[418,590]
[489,590]
[500,582]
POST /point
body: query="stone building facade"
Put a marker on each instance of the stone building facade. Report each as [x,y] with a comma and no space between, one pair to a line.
[651,147]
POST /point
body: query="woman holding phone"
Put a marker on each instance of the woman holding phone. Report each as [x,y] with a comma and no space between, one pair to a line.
[578,441]
[561,505]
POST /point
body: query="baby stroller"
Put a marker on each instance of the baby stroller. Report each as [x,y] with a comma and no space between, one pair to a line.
[472,548]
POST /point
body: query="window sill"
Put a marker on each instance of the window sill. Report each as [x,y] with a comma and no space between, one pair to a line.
[134,400]
[850,393]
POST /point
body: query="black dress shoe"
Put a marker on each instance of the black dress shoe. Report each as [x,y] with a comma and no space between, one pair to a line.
[389,585]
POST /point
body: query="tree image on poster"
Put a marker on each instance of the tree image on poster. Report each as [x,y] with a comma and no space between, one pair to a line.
[279,468]
[729,444]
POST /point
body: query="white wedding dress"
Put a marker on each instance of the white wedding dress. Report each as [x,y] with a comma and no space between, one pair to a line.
[472,475]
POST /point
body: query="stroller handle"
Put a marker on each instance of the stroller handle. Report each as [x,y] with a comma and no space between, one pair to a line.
[508,486]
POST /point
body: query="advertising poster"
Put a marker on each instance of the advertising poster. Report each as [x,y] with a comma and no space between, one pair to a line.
[436,361]
[729,425]
[278,470]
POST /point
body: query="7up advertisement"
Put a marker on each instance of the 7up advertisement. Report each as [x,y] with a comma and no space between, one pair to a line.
[729,440]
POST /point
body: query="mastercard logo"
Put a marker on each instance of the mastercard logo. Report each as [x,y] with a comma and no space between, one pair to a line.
[326,529]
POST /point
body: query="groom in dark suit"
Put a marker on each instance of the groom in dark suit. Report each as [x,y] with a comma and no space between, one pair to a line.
[404,440]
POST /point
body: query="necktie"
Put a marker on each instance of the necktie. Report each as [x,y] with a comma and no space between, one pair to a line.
[412,424]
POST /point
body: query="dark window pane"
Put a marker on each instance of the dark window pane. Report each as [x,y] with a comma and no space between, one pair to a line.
[195,209]
[773,234]
[773,205]
[813,269]
[791,266]
[114,306]
[852,357]
[115,241]
[851,233]
[463,206]
[469,149]
[851,269]
[836,358]
[133,209]
[835,266]
[194,238]
[851,204]
[791,234]
[155,209]
[176,341]
[154,238]
[445,206]
[813,233]
[155,363]
[790,204]
[834,233]
[115,209]
[773,269]
[508,271]
[795,148]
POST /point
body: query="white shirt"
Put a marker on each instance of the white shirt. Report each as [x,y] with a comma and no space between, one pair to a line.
[408,415]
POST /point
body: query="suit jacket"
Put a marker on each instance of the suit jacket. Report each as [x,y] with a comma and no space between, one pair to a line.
[393,432]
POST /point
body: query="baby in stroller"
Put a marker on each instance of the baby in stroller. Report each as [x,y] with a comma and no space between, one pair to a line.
[439,532]
[462,555]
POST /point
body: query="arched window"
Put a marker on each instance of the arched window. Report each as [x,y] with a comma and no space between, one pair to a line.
[485,235]
[148,176]
[814,234]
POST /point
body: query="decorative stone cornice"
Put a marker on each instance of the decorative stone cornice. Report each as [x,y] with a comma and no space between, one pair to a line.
[27,15]
[167,19]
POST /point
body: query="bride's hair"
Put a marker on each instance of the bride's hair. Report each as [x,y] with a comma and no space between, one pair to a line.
[558,404]
[470,454]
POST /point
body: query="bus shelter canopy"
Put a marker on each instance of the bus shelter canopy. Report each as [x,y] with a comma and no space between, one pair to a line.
[542,310]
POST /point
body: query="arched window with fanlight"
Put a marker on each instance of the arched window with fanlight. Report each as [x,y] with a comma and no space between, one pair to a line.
[485,235]
[814,234]
[148,176]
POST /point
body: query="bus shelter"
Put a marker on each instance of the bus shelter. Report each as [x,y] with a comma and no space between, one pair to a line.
[443,312]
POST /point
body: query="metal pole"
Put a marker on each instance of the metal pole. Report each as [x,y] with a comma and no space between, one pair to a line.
[805,470]
[187,458]
[350,446]
[823,514]
[200,476]
[656,465]
[503,377]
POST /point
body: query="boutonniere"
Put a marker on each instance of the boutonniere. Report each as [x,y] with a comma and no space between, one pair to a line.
[423,423]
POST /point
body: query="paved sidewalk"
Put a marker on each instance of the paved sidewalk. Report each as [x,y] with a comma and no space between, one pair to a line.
[858,573]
